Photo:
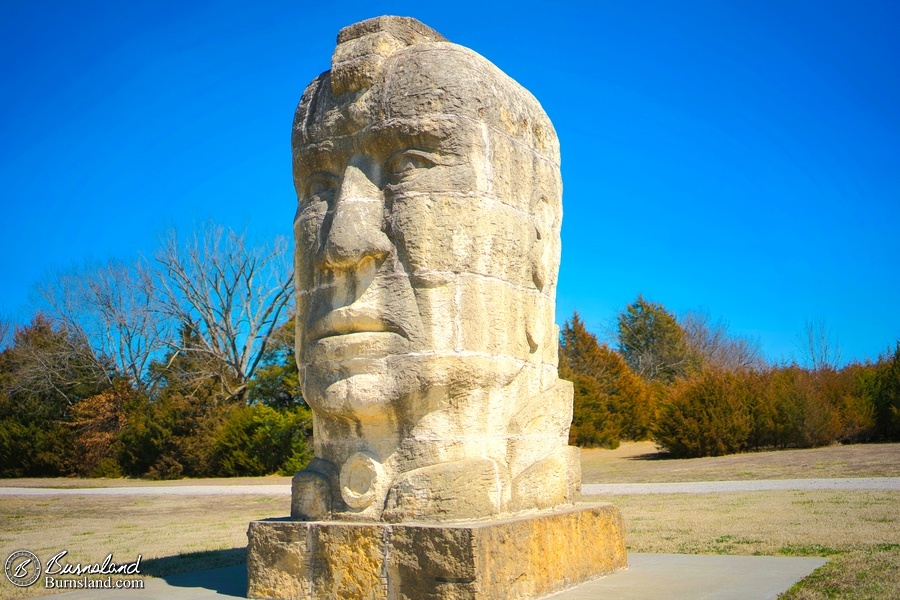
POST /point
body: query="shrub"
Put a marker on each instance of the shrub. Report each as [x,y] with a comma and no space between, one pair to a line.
[259,440]
[704,415]
[595,420]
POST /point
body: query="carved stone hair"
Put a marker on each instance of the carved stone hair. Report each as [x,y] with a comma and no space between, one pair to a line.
[362,49]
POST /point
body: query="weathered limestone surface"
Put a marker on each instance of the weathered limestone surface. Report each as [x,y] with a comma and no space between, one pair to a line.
[511,558]
[427,251]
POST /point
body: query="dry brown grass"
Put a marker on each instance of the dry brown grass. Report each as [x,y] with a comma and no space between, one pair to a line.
[639,462]
[859,531]
[766,523]
[632,462]
[210,530]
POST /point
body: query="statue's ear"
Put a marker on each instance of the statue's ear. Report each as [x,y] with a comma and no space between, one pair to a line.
[541,253]
[543,257]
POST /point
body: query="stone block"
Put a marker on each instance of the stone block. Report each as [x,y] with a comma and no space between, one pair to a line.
[526,556]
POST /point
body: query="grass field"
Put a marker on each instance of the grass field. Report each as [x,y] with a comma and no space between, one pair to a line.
[859,531]
[639,462]
[172,533]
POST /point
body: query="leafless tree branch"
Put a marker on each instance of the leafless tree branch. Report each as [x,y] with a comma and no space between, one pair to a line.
[110,311]
[819,346]
[6,333]
[716,346]
[232,295]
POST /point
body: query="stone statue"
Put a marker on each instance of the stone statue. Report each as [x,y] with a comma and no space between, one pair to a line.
[427,249]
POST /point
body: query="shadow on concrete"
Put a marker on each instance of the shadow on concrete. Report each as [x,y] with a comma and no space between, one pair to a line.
[225,571]
[190,562]
[227,582]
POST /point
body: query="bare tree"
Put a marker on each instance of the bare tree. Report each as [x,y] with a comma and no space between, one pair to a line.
[44,361]
[712,342]
[6,332]
[232,295]
[819,346]
[112,314]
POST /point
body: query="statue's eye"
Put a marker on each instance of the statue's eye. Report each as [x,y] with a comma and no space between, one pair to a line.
[320,187]
[405,164]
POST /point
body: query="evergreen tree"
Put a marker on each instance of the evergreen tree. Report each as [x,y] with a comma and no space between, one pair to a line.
[611,402]
[42,376]
[887,396]
[652,342]
[277,380]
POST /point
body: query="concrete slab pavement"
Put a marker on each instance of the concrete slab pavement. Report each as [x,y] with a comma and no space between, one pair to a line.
[697,577]
[649,577]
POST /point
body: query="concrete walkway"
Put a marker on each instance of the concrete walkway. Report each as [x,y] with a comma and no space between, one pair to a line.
[169,490]
[649,577]
[588,489]
[759,485]
[696,577]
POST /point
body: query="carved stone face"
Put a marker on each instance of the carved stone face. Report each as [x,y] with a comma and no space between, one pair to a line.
[427,245]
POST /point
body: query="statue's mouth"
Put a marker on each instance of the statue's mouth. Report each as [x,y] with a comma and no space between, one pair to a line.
[349,320]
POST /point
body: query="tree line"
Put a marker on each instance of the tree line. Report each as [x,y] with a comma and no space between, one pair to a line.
[180,364]
[696,390]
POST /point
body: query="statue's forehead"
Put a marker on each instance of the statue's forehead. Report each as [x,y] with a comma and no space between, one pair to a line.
[444,134]
[438,87]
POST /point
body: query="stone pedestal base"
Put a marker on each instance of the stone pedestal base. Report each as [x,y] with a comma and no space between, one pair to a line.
[523,557]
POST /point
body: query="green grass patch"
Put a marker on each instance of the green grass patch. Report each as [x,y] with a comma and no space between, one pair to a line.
[808,550]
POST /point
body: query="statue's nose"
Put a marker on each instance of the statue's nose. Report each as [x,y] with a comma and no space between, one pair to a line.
[356,227]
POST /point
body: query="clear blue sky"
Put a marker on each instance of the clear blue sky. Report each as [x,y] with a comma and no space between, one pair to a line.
[738,157]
